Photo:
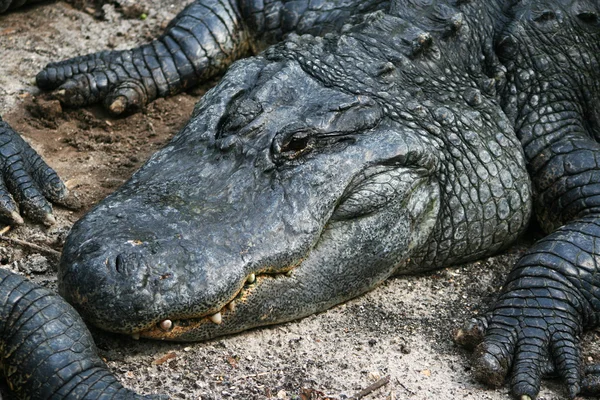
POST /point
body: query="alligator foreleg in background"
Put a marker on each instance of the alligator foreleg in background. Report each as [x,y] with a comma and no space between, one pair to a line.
[200,43]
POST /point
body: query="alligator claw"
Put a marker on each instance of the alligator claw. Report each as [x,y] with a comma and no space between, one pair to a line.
[128,96]
[472,333]
[27,183]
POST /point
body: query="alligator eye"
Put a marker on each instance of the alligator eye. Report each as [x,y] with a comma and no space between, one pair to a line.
[295,145]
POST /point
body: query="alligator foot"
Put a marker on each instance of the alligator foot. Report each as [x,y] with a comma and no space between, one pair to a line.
[200,43]
[27,183]
[46,349]
[527,342]
[120,79]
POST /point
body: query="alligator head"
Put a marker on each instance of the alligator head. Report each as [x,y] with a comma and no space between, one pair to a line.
[288,192]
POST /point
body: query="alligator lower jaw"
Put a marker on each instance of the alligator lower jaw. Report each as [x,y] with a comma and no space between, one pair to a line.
[175,329]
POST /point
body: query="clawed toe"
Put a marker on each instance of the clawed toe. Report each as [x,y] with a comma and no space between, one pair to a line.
[528,342]
[590,384]
[490,364]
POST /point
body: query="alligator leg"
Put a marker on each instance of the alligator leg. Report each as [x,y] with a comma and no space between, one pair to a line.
[553,292]
[30,180]
[200,43]
[46,351]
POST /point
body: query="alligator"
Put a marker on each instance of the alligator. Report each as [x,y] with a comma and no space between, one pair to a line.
[373,138]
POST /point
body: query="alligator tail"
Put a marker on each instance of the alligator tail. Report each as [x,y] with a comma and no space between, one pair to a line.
[46,351]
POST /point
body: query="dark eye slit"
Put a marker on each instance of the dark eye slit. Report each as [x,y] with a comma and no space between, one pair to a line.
[297,143]
[588,17]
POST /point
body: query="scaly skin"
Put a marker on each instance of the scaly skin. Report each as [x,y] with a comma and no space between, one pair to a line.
[411,140]
[308,176]
[552,293]
[27,184]
[46,351]
[200,43]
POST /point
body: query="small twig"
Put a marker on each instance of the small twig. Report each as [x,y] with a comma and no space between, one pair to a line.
[371,388]
[29,245]
[4,230]
[405,388]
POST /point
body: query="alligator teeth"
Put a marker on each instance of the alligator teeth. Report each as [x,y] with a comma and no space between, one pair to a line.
[251,279]
[231,306]
[216,318]
[135,336]
[166,325]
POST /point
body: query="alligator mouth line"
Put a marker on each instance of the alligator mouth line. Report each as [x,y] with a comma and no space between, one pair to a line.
[173,328]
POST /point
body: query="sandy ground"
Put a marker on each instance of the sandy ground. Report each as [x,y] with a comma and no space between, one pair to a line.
[402,329]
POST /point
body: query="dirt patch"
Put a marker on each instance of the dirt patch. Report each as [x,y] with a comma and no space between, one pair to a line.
[93,152]
[402,329]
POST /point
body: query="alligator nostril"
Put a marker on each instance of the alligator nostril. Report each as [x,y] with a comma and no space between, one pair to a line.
[120,263]
[131,264]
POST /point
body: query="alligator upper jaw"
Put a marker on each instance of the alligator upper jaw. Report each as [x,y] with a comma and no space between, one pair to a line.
[136,272]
